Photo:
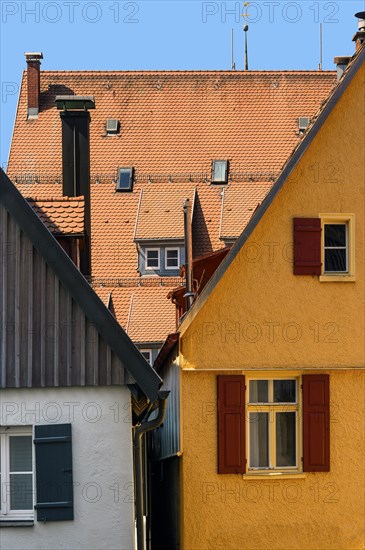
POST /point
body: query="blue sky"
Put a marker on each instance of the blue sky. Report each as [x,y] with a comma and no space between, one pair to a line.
[149,34]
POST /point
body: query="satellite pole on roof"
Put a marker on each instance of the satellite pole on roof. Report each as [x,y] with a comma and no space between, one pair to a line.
[233,64]
[320,47]
[245,28]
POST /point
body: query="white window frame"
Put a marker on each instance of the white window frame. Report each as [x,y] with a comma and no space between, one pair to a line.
[272,409]
[169,248]
[6,514]
[153,268]
[340,276]
[149,351]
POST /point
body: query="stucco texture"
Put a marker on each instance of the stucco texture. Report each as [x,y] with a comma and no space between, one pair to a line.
[260,317]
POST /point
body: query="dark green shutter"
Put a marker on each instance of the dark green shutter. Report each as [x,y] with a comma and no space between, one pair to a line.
[53,453]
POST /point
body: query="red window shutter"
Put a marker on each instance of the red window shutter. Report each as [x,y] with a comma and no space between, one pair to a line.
[231,425]
[316,423]
[307,246]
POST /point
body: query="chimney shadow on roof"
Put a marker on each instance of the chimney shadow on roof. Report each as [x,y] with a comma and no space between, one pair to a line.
[202,243]
[48,97]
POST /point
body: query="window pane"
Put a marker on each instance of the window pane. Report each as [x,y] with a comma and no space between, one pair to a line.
[21,492]
[172,258]
[21,454]
[335,234]
[335,260]
[285,439]
[259,440]
[259,391]
[284,391]
[219,170]
[152,258]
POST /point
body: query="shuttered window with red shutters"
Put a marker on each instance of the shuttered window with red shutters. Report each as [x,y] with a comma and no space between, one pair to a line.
[307,246]
[231,425]
[316,423]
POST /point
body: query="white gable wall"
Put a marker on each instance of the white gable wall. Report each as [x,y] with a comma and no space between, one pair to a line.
[102,466]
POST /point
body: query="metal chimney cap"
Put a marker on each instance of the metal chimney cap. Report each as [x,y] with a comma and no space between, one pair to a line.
[75,102]
[360,14]
[33,56]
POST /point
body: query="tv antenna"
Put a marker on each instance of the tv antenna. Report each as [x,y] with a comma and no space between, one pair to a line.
[320,47]
[245,29]
[233,64]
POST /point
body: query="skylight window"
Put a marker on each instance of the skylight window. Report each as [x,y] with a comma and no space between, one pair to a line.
[112,126]
[125,179]
[303,123]
[220,171]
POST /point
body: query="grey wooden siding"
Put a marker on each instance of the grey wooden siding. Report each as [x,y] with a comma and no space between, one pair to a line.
[165,441]
[45,338]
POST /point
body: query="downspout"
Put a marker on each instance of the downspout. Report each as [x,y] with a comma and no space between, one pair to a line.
[138,436]
[189,294]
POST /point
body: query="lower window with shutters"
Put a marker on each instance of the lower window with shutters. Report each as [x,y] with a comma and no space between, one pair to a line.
[16,474]
[273,424]
[36,473]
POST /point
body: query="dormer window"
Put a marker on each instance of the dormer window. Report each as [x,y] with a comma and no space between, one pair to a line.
[172,258]
[153,259]
[220,171]
[125,179]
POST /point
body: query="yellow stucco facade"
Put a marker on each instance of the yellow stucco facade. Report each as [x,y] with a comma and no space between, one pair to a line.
[262,319]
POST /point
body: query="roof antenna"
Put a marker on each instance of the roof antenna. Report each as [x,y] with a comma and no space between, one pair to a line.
[233,64]
[245,28]
[320,47]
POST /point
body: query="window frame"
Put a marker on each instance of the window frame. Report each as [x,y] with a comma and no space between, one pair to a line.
[6,514]
[272,408]
[169,268]
[339,219]
[153,268]
[149,351]
[219,182]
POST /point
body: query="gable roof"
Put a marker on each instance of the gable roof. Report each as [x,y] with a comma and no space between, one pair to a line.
[73,281]
[317,123]
[173,124]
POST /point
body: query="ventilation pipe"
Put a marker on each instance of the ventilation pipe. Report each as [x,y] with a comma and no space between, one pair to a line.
[189,294]
[138,447]
[359,37]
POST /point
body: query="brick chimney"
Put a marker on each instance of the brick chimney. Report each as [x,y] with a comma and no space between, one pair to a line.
[33,79]
[359,37]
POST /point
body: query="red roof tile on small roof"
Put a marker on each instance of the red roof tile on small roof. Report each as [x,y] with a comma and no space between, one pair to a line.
[239,204]
[62,215]
[160,212]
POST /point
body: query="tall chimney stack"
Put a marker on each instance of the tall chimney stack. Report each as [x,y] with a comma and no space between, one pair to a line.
[34,84]
[359,37]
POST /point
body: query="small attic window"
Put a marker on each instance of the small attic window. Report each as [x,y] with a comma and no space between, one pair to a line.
[125,179]
[220,171]
[303,123]
[112,126]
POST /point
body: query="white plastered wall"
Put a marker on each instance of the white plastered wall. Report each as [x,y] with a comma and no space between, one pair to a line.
[102,466]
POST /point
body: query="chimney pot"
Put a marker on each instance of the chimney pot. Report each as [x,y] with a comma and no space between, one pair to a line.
[33,60]
[341,63]
[359,37]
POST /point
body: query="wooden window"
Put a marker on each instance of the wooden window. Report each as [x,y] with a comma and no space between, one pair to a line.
[147,354]
[316,423]
[273,435]
[172,258]
[280,428]
[153,259]
[307,246]
[16,474]
[54,472]
[338,247]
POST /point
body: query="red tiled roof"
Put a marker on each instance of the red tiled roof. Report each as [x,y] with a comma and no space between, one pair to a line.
[160,211]
[239,204]
[64,215]
[172,125]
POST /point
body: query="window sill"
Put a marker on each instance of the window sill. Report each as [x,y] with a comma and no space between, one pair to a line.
[337,279]
[16,523]
[274,475]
